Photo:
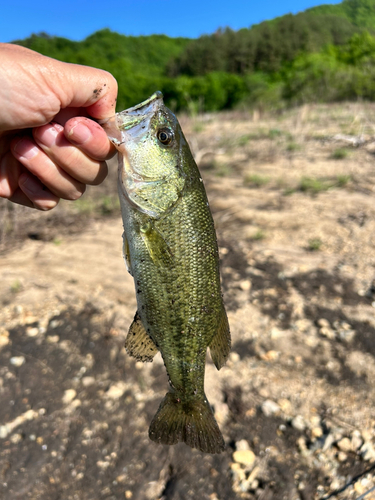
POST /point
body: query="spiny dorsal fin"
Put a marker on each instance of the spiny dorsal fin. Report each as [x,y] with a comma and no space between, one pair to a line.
[220,344]
[138,343]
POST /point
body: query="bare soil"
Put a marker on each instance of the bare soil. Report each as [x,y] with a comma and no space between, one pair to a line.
[292,196]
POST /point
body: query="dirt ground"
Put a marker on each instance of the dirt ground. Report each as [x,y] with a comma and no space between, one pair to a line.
[293,201]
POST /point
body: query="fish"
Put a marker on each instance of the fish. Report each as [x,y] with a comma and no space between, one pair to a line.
[170,249]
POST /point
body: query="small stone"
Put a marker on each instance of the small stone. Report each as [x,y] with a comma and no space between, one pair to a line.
[315,420]
[87,381]
[16,438]
[285,405]
[357,440]
[367,451]
[128,494]
[327,332]
[116,390]
[270,408]
[238,472]
[244,457]
[52,339]
[299,423]
[242,445]
[69,395]
[32,331]
[17,361]
[342,456]
[234,357]
[276,333]
[102,464]
[347,335]
[344,444]
[316,432]
[335,485]
[324,323]
[4,337]
[245,285]
[270,356]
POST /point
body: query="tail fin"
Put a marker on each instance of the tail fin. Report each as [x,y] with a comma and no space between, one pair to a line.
[192,423]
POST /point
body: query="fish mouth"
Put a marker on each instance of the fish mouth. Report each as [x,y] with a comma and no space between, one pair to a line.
[131,122]
[139,113]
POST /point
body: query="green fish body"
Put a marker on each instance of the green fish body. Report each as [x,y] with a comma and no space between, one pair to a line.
[171,251]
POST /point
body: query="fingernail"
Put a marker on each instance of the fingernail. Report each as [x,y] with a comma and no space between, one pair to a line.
[25,148]
[80,133]
[48,136]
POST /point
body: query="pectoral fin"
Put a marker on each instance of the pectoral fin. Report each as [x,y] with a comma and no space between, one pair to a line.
[220,344]
[138,343]
[156,245]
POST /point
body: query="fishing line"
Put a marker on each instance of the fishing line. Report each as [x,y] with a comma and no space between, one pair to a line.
[365,494]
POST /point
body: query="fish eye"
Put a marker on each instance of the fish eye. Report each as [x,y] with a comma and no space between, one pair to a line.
[165,136]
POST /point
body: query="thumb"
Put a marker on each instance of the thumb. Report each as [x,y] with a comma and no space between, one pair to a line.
[90,88]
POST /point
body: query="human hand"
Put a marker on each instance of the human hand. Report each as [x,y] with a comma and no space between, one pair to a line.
[49,148]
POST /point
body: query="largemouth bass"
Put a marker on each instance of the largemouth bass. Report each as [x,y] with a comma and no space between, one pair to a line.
[170,250]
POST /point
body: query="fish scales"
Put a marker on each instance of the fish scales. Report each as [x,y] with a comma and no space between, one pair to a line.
[170,249]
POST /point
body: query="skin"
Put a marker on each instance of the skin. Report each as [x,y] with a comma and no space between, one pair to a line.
[49,147]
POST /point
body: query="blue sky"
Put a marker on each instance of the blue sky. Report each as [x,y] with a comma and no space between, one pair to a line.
[78,19]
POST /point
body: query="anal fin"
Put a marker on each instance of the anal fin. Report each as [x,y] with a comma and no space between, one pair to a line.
[221,343]
[138,343]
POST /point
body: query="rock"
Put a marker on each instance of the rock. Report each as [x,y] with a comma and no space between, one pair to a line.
[69,395]
[238,474]
[16,438]
[116,390]
[32,331]
[245,285]
[345,444]
[4,338]
[285,405]
[270,408]
[327,332]
[367,451]
[347,335]
[270,356]
[102,464]
[17,361]
[53,339]
[234,357]
[316,432]
[7,428]
[299,423]
[242,445]
[357,440]
[244,457]
[324,323]
[87,381]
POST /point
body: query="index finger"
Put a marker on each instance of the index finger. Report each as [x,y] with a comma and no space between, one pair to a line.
[89,137]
